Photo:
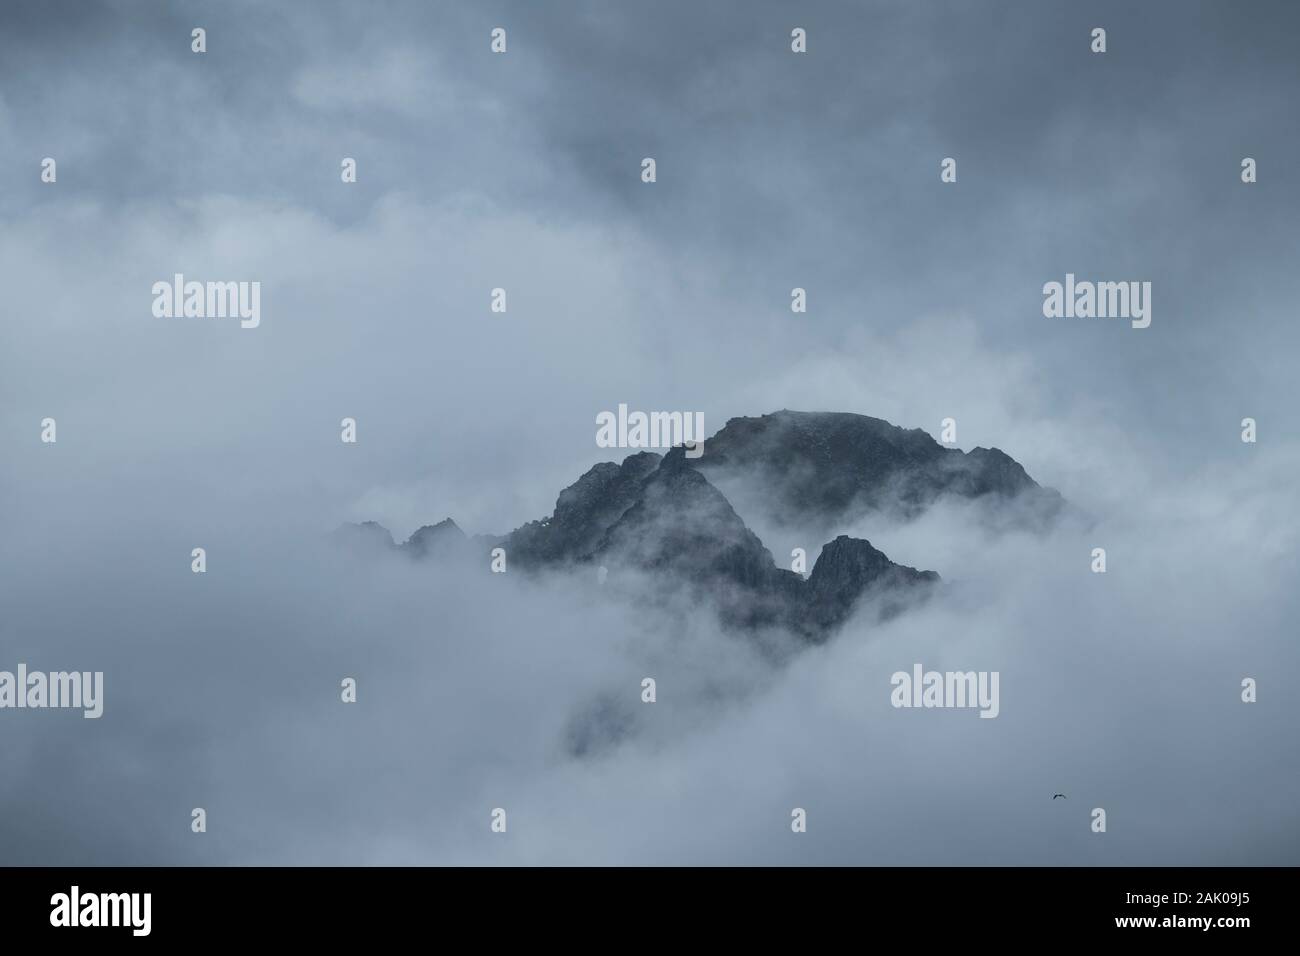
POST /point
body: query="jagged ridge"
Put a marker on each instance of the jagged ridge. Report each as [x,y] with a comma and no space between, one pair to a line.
[663,517]
[825,468]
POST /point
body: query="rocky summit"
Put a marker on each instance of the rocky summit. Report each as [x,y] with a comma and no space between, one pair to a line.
[825,468]
[664,519]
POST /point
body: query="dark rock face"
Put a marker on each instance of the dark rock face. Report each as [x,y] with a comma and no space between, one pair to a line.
[849,569]
[584,511]
[663,519]
[684,531]
[826,467]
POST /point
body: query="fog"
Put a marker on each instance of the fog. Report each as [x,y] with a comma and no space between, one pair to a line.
[478,690]
[1121,690]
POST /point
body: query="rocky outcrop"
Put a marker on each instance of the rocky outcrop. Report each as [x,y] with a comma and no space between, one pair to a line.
[826,468]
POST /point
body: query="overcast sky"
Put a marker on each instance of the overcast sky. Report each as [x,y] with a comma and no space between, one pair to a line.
[522,171]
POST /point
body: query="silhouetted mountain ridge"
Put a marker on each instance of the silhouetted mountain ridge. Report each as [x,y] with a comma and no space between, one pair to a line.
[823,468]
[663,519]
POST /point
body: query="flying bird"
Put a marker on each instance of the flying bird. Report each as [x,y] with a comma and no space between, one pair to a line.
[1061,795]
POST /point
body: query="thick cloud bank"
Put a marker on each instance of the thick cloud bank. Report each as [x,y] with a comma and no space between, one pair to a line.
[477,690]
[480,690]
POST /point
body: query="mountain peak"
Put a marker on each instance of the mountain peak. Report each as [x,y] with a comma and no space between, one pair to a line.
[667,517]
[434,538]
[584,511]
[851,569]
[825,468]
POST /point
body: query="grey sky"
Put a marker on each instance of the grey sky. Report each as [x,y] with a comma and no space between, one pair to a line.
[522,171]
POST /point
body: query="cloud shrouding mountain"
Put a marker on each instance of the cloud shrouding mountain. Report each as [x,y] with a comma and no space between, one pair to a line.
[661,517]
[480,690]
[520,172]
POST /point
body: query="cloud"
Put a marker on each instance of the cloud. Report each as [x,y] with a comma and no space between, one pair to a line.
[520,172]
